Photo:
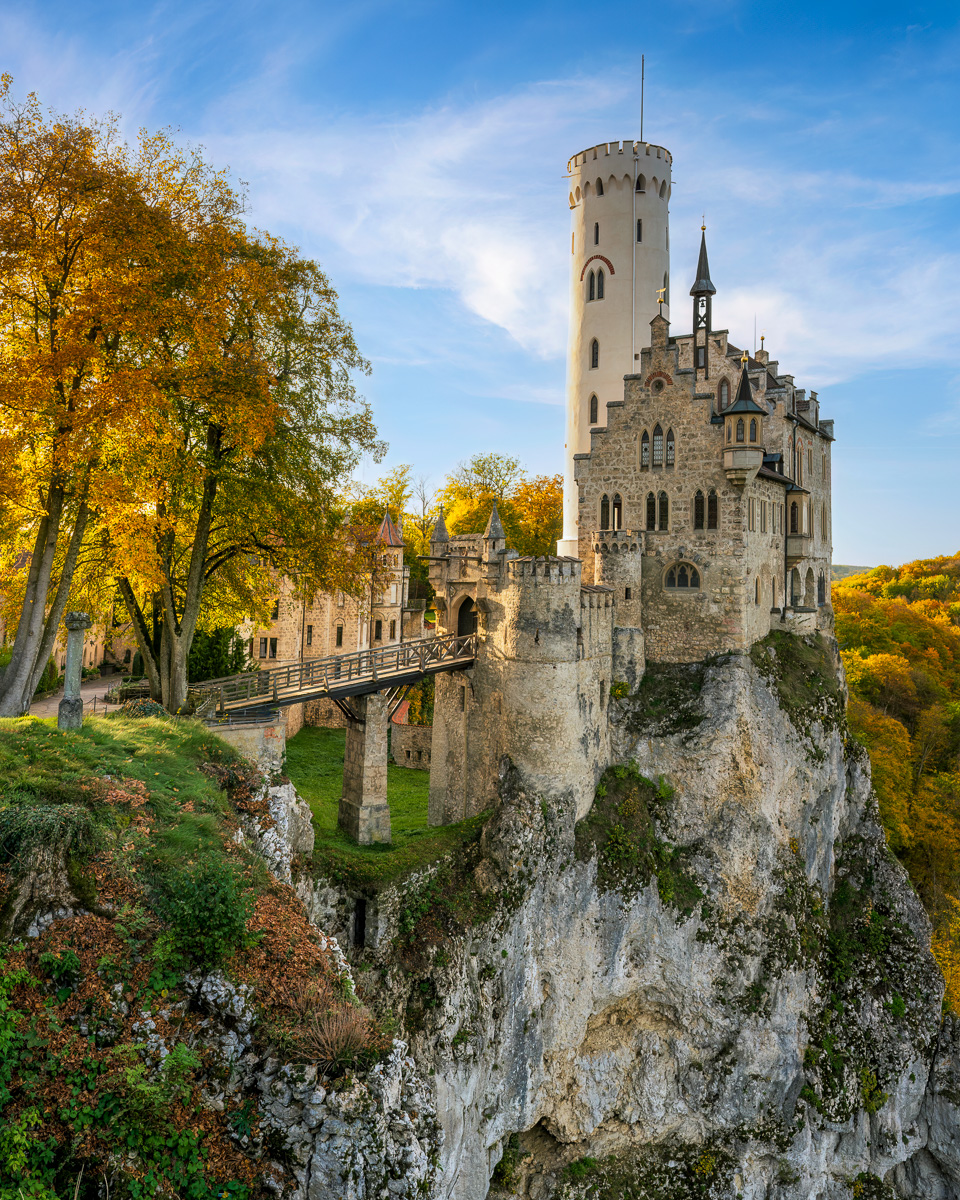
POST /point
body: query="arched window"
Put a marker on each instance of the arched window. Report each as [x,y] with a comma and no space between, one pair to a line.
[753,429]
[596,233]
[794,518]
[671,448]
[639,230]
[756,590]
[821,590]
[599,187]
[617,511]
[594,353]
[713,510]
[594,409]
[641,183]
[739,429]
[604,511]
[591,286]
[682,576]
[651,511]
[723,393]
[645,449]
[698,510]
[657,446]
[663,511]
[600,285]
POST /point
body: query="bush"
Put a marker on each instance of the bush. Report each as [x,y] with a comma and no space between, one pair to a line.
[207,907]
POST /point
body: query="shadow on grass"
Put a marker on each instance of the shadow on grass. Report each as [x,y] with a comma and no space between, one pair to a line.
[315,765]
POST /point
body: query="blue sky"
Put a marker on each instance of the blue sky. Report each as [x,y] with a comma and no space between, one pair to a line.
[417,151]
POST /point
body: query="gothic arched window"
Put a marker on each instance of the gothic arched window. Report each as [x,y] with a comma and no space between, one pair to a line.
[641,183]
[753,429]
[663,511]
[723,393]
[600,285]
[599,187]
[594,353]
[591,286]
[604,511]
[645,449]
[594,409]
[698,510]
[671,449]
[596,233]
[739,429]
[617,511]
[713,510]
[794,518]
[657,446]
[651,511]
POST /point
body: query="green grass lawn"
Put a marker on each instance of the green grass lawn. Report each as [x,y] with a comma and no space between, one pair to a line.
[315,764]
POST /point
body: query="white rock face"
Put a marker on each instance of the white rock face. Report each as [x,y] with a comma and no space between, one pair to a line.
[599,1022]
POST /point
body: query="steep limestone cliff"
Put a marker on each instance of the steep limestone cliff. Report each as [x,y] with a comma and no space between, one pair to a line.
[716,984]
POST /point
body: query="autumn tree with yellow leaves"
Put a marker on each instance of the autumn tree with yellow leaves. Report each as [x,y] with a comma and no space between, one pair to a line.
[176,398]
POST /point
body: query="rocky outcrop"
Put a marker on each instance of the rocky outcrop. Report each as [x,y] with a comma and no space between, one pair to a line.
[719,980]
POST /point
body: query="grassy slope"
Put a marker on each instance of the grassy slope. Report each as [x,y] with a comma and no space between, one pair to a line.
[315,764]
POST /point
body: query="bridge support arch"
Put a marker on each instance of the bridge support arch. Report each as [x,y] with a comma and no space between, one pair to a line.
[364,813]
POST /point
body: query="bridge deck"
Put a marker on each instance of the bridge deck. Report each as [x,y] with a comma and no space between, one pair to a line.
[342,675]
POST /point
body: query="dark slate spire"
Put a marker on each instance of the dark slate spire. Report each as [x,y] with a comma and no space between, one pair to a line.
[703,286]
[440,529]
[494,529]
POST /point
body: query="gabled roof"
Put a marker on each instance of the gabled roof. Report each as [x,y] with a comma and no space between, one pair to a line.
[703,286]
[494,529]
[388,534]
[744,401]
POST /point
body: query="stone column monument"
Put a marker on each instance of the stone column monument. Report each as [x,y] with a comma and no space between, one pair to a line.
[70,712]
[364,812]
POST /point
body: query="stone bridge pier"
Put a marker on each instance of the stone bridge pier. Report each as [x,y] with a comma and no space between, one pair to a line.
[364,813]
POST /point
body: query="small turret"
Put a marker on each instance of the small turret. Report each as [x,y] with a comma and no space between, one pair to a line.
[743,433]
[702,292]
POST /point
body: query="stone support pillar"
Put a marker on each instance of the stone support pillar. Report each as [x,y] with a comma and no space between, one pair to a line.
[364,812]
[70,712]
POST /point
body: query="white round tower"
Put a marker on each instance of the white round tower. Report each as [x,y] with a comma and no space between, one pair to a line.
[620,259]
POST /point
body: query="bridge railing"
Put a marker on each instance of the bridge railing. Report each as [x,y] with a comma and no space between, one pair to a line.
[339,673]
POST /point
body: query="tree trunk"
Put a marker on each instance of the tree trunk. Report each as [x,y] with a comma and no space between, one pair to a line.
[15,690]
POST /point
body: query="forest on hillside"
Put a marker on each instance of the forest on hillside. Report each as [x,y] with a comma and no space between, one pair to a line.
[899,635]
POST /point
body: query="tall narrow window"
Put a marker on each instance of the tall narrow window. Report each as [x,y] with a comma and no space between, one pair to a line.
[604,511]
[594,353]
[723,394]
[617,511]
[698,510]
[591,286]
[596,233]
[599,187]
[713,510]
[599,285]
[645,449]
[663,511]
[651,511]
[739,429]
[753,429]
[658,447]
[594,410]
[671,449]
[639,230]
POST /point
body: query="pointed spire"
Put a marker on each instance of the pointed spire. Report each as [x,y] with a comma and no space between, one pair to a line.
[494,529]
[440,529]
[703,286]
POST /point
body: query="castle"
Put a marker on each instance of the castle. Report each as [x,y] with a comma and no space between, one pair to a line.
[696,512]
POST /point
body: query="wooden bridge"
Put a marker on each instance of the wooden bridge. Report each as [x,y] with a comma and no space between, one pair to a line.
[339,677]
